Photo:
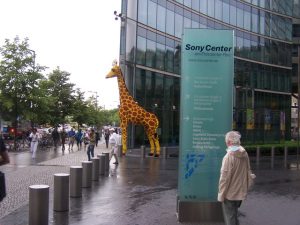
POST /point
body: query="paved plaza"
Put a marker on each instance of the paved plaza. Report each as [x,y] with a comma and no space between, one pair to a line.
[141,191]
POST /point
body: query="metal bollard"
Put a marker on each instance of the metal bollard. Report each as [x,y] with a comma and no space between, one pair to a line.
[164,152]
[61,192]
[75,181]
[272,156]
[120,151]
[285,156]
[106,155]
[101,164]
[38,204]
[143,150]
[87,174]
[95,169]
[257,155]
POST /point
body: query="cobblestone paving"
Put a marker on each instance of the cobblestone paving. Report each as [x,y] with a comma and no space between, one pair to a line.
[18,182]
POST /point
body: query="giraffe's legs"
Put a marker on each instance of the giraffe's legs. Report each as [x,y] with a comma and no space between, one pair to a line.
[152,146]
[157,145]
[124,137]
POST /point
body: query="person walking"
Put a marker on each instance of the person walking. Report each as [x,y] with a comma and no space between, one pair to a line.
[34,142]
[55,137]
[63,137]
[4,157]
[114,142]
[92,140]
[234,178]
[106,137]
[71,135]
[97,137]
[78,138]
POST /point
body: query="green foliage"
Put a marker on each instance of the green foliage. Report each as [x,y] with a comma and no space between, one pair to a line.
[25,93]
[19,79]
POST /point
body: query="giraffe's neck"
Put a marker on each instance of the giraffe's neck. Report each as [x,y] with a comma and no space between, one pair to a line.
[123,91]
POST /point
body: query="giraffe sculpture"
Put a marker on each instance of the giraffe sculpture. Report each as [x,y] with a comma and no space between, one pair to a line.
[131,112]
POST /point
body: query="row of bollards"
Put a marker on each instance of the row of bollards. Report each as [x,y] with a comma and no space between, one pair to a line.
[272,155]
[65,186]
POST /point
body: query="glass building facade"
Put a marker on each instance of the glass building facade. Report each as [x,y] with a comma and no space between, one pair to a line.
[150,56]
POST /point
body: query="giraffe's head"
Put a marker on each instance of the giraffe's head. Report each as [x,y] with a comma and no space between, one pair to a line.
[115,71]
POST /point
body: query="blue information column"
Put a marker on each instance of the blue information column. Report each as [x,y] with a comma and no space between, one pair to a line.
[206,115]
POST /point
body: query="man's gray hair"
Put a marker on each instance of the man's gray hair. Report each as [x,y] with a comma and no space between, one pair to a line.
[234,137]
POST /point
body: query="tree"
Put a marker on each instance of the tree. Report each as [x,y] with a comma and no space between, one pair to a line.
[62,96]
[19,78]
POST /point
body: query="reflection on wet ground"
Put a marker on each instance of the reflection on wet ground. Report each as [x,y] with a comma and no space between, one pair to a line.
[143,191]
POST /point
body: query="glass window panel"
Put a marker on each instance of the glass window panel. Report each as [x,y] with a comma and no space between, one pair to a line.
[211,8]
[195,20]
[203,6]
[170,27]
[247,17]
[152,14]
[140,86]
[160,56]
[203,22]
[142,12]
[218,9]
[177,58]
[187,14]
[170,42]
[162,3]
[149,86]
[158,90]
[161,39]
[196,5]
[188,3]
[267,23]
[225,13]
[131,9]
[161,18]
[130,42]
[179,25]
[141,50]
[178,10]
[233,12]
[262,22]
[151,35]
[169,59]
[240,16]
[142,32]
[254,20]
[150,53]
[187,23]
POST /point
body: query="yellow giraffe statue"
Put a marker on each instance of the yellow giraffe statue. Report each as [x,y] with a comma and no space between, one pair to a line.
[130,111]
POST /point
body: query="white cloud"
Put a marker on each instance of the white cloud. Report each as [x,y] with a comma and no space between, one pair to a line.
[79,36]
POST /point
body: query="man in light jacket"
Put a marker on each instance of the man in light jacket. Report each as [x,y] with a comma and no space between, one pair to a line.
[234,179]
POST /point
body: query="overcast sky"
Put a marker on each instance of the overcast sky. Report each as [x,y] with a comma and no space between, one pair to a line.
[79,36]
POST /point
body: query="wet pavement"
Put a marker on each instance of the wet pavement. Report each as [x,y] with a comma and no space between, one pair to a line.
[142,191]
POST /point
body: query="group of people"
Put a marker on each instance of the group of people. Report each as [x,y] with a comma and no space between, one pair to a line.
[89,138]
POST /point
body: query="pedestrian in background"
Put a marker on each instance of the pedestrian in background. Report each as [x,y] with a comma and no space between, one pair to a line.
[106,137]
[71,135]
[97,137]
[92,142]
[35,137]
[114,141]
[63,137]
[4,158]
[55,137]
[234,179]
[78,138]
